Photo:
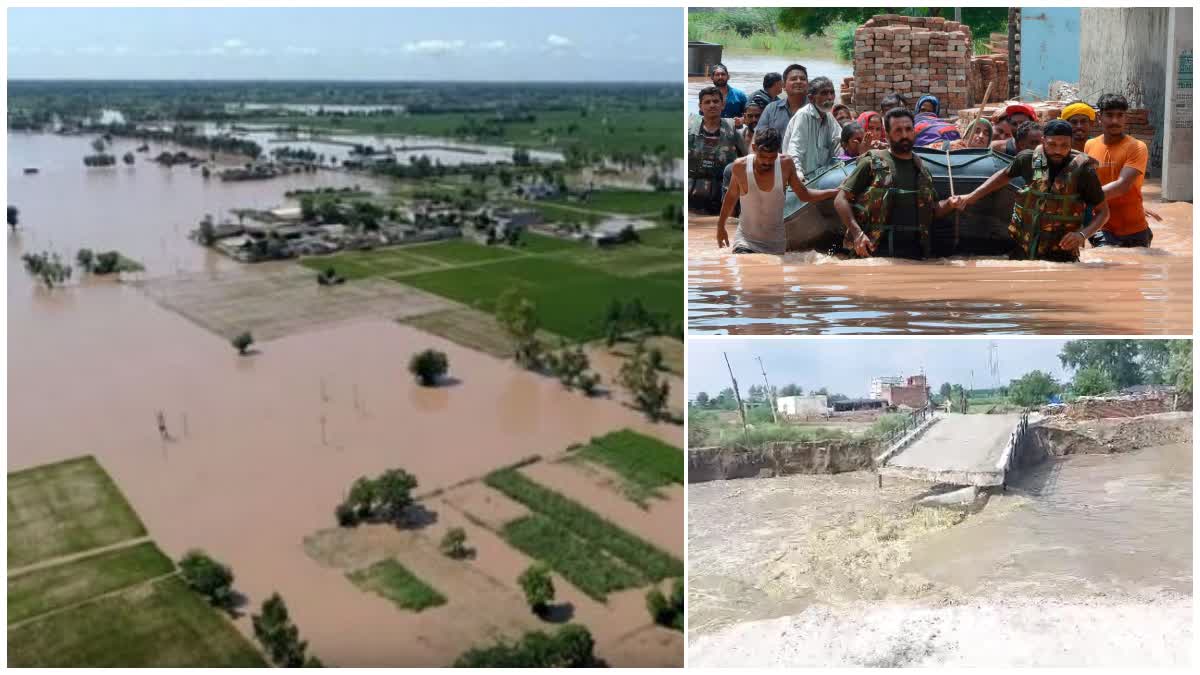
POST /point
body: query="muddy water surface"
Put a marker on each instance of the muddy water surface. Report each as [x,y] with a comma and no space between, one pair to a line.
[1111,291]
[262,447]
[1111,526]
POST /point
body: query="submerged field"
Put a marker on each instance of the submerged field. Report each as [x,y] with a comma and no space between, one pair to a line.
[108,601]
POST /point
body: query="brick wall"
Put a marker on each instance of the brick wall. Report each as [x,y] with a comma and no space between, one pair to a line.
[913,56]
[987,69]
[913,397]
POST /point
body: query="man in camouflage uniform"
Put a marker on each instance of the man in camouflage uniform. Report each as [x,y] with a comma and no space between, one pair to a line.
[713,144]
[888,203]
[1049,220]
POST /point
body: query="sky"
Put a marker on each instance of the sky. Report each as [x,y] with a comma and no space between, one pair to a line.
[847,366]
[495,44]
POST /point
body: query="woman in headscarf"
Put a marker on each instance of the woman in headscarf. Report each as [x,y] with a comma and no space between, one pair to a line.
[853,143]
[872,124]
[929,104]
[979,135]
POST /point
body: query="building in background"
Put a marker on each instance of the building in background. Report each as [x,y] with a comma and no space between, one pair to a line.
[912,393]
[878,384]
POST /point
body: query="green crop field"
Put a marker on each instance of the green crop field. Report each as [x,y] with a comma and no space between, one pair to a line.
[49,588]
[628,201]
[578,560]
[540,243]
[670,238]
[121,606]
[638,554]
[645,463]
[160,624]
[362,264]
[457,251]
[570,299]
[64,508]
[391,580]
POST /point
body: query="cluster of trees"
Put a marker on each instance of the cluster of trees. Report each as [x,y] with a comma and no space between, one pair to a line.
[99,159]
[385,498]
[208,577]
[48,267]
[1107,365]
[570,365]
[298,154]
[571,647]
[429,366]
[631,318]
[667,611]
[106,262]
[757,395]
[639,374]
[241,342]
[279,637]
[517,316]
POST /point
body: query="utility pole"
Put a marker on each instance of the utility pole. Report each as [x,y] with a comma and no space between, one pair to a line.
[736,393]
[770,393]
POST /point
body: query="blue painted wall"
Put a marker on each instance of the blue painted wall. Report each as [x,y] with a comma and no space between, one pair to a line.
[1049,48]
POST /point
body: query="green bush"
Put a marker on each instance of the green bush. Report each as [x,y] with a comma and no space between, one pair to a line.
[538,587]
[242,342]
[280,638]
[208,577]
[581,562]
[429,366]
[454,543]
[843,39]
[571,647]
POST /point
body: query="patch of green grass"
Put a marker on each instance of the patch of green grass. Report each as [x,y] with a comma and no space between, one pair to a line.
[65,508]
[50,588]
[626,260]
[887,424]
[579,561]
[645,463]
[772,433]
[651,561]
[458,251]
[531,242]
[571,299]
[162,624]
[628,201]
[670,238]
[391,580]
[553,212]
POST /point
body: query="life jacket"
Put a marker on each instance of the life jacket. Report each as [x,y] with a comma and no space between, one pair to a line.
[1047,210]
[933,131]
[873,208]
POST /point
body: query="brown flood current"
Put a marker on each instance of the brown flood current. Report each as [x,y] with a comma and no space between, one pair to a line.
[248,475]
[1111,291]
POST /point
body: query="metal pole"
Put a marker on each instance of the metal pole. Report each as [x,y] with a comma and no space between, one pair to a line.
[958,14]
[770,394]
[736,393]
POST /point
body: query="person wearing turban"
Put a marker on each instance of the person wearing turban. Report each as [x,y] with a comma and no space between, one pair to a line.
[1080,116]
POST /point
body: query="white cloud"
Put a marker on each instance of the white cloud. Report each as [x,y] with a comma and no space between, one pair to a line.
[494,45]
[233,43]
[306,51]
[434,46]
[557,41]
[249,51]
[90,50]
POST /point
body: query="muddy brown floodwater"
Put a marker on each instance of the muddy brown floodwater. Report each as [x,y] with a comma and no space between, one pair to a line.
[833,570]
[1110,291]
[263,447]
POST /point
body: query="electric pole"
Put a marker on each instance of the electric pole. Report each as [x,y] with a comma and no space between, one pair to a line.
[736,393]
[770,393]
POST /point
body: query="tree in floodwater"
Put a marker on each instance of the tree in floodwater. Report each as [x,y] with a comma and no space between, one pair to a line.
[1032,388]
[280,638]
[518,317]
[538,587]
[14,217]
[208,577]
[429,366]
[242,342]
[640,377]
[48,267]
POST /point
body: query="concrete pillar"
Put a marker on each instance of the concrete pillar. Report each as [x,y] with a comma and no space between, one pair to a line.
[1177,130]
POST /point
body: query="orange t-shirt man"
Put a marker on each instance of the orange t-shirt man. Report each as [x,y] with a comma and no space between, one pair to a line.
[1126,213]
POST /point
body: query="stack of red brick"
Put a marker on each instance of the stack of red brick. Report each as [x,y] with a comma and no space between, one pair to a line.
[988,69]
[912,56]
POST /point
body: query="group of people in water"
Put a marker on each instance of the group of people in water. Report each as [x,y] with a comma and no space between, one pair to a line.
[743,150]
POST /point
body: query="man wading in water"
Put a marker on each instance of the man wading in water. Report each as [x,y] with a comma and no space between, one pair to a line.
[889,200]
[758,181]
[1048,220]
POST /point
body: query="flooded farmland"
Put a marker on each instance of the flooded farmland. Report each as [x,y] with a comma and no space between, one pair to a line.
[263,448]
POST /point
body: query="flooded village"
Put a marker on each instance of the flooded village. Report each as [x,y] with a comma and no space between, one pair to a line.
[352,237]
[974,72]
